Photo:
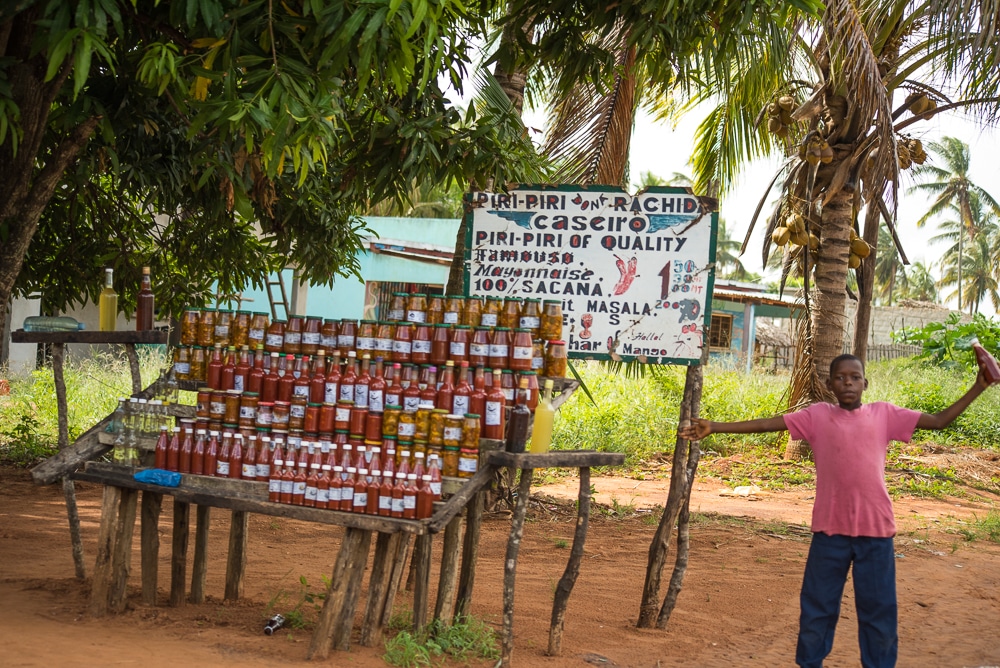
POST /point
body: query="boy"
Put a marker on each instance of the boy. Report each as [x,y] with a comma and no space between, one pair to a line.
[852,517]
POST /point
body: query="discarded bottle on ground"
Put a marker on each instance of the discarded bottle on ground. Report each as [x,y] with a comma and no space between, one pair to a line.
[274,624]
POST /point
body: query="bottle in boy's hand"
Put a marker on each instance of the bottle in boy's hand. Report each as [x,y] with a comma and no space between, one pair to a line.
[987,363]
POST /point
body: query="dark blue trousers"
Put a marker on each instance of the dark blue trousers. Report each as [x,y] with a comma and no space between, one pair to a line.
[874,567]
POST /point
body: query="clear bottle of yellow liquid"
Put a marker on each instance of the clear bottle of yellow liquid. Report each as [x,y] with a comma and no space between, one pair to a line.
[108,304]
[545,414]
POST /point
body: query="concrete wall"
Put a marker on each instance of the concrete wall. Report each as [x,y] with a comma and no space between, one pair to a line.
[889,319]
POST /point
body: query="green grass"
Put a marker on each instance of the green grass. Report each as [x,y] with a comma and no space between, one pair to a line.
[467,639]
[986,528]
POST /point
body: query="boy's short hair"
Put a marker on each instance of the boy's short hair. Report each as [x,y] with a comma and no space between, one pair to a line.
[844,358]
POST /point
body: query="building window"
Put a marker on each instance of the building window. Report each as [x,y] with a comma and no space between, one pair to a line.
[720,333]
[378,295]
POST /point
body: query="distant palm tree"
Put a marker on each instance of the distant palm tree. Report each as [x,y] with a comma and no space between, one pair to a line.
[978,263]
[889,268]
[953,190]
[918,283]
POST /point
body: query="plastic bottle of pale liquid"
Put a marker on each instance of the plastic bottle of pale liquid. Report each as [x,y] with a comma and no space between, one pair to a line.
[545,413]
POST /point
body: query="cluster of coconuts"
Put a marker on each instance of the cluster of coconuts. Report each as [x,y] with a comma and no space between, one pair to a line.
[794,232]
[920,104]
[779,116]
[910,151]
[815,150]
[859,250]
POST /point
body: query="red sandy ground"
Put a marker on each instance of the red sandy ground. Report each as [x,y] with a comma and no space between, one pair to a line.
[739,605]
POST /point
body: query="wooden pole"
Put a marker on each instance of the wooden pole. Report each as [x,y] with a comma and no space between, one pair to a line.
[396,577]
[121,556]
[566,582]
[683,542]
[650,605]
[199,567]
[353,576]
[69,489]
[178,556]
[510,565]
[101,584]
[470,554]
[422,581]
[133,367]
[444,606]
[149,530]
[342,589]
[236,563]
[378,584]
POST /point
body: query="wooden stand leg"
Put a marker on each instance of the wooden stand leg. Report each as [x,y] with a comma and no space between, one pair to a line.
[422,581]
[396,577]
[510,565]
[121,557]
[378,584]
[337,616]
[236,564]
[470,554]
[178,557]
[199,568]
[114,551]
[69,489]
[566,582]
[444,607]
[133,366]
[150,544]
[73,515]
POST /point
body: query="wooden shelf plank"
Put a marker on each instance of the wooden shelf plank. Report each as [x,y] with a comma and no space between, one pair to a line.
[124,336]
[554,459]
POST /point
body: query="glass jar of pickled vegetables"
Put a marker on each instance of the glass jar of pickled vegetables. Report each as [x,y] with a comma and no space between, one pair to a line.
[551,325]
[449,461]
[197,369]
[453,310]
[452,435]
[435,309]
[491,312]
[397,307]
[510,314]
[421,420]
[206,328]
[435,432]
[416,308]
[555,359]
[239,331]
[390,420]
[472,312]
[182,362]
[223,323]
[468,462]
[470,431]
[407,426]
[257,330]
[189,327]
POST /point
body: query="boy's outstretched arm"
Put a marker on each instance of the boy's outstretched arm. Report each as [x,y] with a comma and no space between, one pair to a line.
[699,428]
[947,416]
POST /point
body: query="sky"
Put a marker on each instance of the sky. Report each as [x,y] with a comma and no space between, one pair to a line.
[659,148]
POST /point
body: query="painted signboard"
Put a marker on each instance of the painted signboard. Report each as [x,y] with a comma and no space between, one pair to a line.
[634,272]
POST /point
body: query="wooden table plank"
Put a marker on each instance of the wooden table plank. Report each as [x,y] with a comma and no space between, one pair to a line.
[555,458]
[84,336]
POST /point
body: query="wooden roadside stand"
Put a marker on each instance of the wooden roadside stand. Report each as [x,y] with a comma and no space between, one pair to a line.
[395,539]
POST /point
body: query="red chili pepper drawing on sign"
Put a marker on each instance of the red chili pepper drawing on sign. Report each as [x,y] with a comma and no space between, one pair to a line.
[627,275]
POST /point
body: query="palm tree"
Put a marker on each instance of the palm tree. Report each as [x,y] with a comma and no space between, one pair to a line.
[978,264]
[889,269]
[953,190]
[918,283]
[975,224]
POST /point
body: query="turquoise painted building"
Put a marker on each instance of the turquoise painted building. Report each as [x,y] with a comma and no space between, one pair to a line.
[735,309]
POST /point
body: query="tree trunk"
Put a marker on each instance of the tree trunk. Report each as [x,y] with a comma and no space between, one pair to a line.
[866,282]
[830,295]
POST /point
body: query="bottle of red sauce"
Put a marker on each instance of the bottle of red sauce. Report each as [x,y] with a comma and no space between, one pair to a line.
[160,453]
[227,379]
[222,461]
[323,487]
[349,377]
[397,495]
[274,483]
[428,385]
[302,384]
[336,488]
[250,458]
[174,451]
[269,385]
[477,397]
[410,497]
[493,416]
[462,396]
[376,389]
[425,499]
[236,457]
[187,447]
[241,372]
[286,382]
[331,391]
[373,492]
[265,453]
[312,485]
[446,392]
[347,490]
[299,487]
[986,362]
[317,381]
[211,453]
[198,454]
[363,383]
[360,492]
[385,495]
[434,471]
[411,390]
[255,376]
[394,391]
[213,370]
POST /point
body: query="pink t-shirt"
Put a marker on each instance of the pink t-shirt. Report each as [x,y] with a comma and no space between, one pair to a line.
[849,448]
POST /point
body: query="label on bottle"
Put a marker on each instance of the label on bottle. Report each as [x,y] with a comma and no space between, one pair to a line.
[494,409]
[508,393]
[406,429]
[275,340]
[248,412]
[416,316]
[274,485]
[249,471]
[402,347]
[222,331]
[322,496]
[385,503]
[450,317]
[336,494]
[479,349]
[300,391]
[435,488]
[457,348]
[182,368]
[311,338]
[488,320]
[361,395]
[347,392]
[265,418]
[330,393]
[343,413]
[294,338]
[421,346]
[460,404]
[397,505]
[328,342]
[345,340]
[297,411]
[294,441]
[530,322]
[365,343]
[523,352]
[467,464]
[453,433]
[298,487]
[411,404]
[396,314]
[287,486]
[263,471]
[222,469]
[409,501]
[360,499]
[218,407]
[498,350]
[311,492]
[392,399]
[255,334]
[537,363]
[239,381]
[376,402]
[383,345]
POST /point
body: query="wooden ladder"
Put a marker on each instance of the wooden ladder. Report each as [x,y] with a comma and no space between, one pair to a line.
[283,303]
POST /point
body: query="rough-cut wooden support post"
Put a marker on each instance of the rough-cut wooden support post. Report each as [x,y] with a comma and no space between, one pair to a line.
[121,556]
[133,367]
[422,581]
[396,577]
[149,531]
[199,567]
[333,628]
[649,608]
[178,556]
[683,541]
[444,607]
[378,584]
[470,554]
[69,489]
[236,563]
[510,565]
[566,582]
[105,547]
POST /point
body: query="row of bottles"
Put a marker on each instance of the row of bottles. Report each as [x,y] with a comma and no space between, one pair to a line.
[107,303]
